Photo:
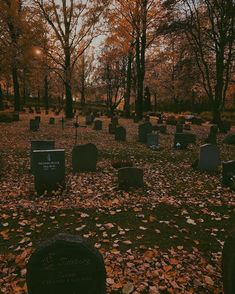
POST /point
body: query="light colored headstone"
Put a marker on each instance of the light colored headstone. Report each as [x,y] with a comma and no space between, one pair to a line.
[209,158]
[152,139]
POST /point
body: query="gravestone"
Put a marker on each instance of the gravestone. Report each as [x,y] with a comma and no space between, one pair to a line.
[41,145]
[179,128]
[89,119]
[152,140]
[52,121]
[162,129]
[182,140]
[135,119]
[227,125]
[49,170]
[114,120]
[112,128]
[38,118]
[120,134]
[143,131]
[34,125]
[228,264]
[147,118]
[84,158]
[229,139]
[130,177]
[98,125]
[66,264]
[209,158]
[212,137]
[228,172]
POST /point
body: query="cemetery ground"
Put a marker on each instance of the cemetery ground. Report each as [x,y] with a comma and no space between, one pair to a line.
[166,237]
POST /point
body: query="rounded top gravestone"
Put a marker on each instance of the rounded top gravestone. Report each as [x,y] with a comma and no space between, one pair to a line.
[66,264]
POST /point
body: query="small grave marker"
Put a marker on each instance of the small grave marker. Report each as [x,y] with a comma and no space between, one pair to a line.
[209,158]
[120,134]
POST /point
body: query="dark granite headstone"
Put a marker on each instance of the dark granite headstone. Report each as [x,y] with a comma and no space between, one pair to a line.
[41,145]
[98,125]
[209,158]
[228,265]
[84,158]
[229,139]
[143,131]
[228,172]
[120,134]
[66,264]
[130,177]
[38,118]
[49,170]
[52,121]
[34,125]
[179,128]
[112,128]
[182,140]
[114,120]
[152,140]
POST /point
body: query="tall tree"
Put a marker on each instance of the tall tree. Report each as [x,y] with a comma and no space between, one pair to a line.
[74,25]
[211,33]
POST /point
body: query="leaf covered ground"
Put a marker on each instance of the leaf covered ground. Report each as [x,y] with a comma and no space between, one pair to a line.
[166,237]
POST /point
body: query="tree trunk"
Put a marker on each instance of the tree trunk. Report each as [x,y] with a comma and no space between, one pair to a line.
[68,90]
[128,86]
[139,98]
[16,88]
[46,96]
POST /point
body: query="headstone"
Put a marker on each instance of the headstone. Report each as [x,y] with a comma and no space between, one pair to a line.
[112,128]
[34,125]
[212,137]
[84,158]
[66,264]
[114,120]
[152,140]
[182,140]
[52,121]
[38,118]
[209,158]
[228,264]
[228,172]
[89,119]
[143,131]
[229,139]
[120,134]
[179,128]
[162,129]
[98,125]
[135,119]
[49,170]
[130,177]
[41,145]
[227,125]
